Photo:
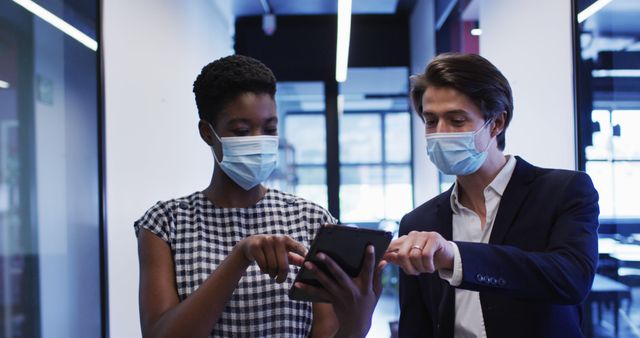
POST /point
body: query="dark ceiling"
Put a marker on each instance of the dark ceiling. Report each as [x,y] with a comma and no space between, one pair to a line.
[318,7]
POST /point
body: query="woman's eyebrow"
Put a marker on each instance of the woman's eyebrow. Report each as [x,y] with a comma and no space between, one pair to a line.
[239,120]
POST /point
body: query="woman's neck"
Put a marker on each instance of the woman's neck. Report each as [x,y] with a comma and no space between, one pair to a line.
[225,193]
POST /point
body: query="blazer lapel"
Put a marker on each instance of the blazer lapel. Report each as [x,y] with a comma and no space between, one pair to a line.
[512,199]
[444,224]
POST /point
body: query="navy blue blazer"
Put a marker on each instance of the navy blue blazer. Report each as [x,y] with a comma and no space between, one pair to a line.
[532,276]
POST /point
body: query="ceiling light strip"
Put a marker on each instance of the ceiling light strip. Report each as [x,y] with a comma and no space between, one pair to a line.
[58,23]
[344,34]
[591,10]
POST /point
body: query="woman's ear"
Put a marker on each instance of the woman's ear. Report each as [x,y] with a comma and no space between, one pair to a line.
[205,132]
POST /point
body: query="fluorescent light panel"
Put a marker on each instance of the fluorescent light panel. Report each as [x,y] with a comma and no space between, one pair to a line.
[591,10]
[476,32]
[615,73]
[344,34]
[4,84]
[58,23]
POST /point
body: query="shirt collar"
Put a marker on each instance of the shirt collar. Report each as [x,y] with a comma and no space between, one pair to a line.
[498,185]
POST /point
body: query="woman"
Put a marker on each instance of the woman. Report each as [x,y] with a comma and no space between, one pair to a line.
[215,262]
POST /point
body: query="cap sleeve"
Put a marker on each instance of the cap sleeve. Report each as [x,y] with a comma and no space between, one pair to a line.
[157,220]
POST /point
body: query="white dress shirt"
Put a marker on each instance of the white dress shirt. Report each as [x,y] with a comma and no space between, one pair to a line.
[469,321]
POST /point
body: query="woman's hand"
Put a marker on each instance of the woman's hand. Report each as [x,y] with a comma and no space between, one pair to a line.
[420,252]
[272,253]
[353,299]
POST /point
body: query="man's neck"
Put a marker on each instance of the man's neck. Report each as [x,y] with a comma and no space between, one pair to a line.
[471,187]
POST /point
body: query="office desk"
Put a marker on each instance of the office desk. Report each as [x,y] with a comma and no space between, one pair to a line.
[625,254]
[605,290]
[613,247]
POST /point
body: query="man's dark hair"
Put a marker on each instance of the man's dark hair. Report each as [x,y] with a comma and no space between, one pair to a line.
[471,75]
[223,80]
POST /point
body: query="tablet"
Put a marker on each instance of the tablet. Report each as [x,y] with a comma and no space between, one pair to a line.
[346,246]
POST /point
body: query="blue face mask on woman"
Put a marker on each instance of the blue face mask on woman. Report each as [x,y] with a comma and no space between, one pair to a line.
[248,160]
[456,153]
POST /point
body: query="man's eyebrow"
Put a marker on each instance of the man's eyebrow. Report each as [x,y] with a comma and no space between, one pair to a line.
[449,112]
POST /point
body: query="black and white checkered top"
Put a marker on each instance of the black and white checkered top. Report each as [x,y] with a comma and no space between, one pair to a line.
[201,235]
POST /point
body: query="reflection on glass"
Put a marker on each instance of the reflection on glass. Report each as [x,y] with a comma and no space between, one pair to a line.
[49,184]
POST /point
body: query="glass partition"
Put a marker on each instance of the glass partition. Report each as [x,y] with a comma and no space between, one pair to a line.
[607,58]
[50,266]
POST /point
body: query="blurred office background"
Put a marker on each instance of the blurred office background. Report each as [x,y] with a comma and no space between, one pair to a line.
[98,122]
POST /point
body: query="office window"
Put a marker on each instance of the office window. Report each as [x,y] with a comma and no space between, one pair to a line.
[303,150]
[608,69]
[607,58]
[50,266]
[375,146]
[613,161]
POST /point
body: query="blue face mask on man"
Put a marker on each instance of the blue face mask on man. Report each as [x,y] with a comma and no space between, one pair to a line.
[248,160]
[456,153]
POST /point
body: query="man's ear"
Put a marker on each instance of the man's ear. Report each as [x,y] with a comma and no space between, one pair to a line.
[499,123]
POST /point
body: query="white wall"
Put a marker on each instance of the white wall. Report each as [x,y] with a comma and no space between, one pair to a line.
[425,174]
[153,50]
[531,43]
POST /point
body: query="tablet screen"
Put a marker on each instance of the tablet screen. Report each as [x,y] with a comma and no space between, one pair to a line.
[346,246]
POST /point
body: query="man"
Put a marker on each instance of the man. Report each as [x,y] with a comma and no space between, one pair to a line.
[514,245]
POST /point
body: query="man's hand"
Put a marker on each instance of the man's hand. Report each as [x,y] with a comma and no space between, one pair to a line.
[272,253]
[420,252]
